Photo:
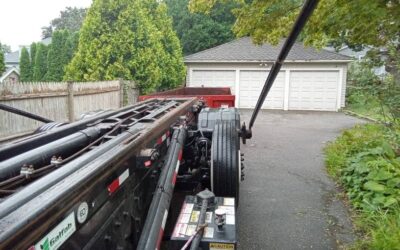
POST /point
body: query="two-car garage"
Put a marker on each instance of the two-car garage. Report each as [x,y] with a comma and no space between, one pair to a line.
[301,85]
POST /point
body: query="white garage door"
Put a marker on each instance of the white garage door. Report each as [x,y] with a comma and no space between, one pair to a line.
[214,78]
[313,90]
[251,83]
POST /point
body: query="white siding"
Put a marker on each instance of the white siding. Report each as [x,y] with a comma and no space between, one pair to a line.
[344,86]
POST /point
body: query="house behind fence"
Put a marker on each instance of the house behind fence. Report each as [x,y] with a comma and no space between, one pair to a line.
[59,101]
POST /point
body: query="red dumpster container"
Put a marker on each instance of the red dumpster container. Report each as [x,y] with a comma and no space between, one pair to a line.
[213,97]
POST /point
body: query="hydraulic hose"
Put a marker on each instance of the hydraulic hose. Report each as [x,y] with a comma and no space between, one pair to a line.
[21,146]
[153,229]
[202,221]
[31,191]
[41,156]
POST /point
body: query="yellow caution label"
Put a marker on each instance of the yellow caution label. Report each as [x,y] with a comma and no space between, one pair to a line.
[221,246]
[195,216]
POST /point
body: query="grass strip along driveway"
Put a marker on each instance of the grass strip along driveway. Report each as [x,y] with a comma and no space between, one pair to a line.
[365,161]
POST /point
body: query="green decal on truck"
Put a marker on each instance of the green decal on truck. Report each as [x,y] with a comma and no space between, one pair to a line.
[58,235]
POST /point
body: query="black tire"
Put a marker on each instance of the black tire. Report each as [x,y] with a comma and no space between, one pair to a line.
[225,162]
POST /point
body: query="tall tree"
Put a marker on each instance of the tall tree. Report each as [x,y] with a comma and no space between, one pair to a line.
[25,66]
[32,52]
[40,68]
[70,19]
[3,49]
[71,45]
[47,32]
[2,64]
[171,61]
[6,48]
[198,31]
[57,57]
[354,22]
[120,39]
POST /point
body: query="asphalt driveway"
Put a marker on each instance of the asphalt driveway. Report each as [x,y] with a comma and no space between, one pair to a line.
[287,201]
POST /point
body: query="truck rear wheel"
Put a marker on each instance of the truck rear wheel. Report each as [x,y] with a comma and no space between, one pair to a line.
[225,161]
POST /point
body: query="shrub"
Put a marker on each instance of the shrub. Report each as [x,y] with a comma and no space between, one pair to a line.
[350,143]
[389,97]
[369,95]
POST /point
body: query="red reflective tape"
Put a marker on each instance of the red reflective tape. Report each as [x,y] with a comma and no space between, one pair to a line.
[180,155]
[174,178]
[118,182]
[160,235]
[113,186]
[147,163]
[162,138]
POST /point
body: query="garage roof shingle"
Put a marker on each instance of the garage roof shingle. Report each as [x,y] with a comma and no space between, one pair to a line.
[12,57]
[244,50]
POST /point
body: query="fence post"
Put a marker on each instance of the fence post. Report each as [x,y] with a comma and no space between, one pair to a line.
[121,92]
[132,93]
[71,111]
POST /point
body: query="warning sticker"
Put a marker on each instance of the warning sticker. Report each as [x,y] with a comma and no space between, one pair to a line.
[229,201]
[228,209]
[82,213]
[195,216]
[191,229]
[230,219]
[180,230]
[188,208]
[221,246]
[209,217]
[184,218]
[208,232]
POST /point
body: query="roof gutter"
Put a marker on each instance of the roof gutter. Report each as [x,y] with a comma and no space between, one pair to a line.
[258,61]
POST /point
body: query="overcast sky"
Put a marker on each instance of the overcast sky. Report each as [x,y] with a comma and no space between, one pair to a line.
[21,20]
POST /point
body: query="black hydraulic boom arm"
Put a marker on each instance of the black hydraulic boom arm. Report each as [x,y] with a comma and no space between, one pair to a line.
[24,113]
[304,15]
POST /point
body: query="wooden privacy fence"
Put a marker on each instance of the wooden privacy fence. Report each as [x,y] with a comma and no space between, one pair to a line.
[59,101]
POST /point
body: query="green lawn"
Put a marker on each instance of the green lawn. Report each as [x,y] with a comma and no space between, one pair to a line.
[366,105]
